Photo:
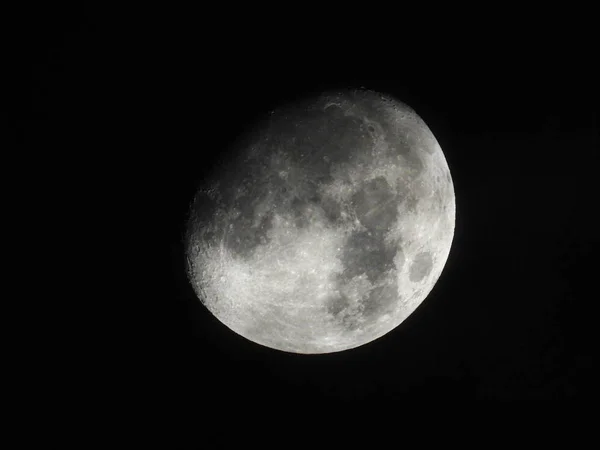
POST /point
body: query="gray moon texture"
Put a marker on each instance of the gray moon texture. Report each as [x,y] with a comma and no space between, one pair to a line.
[327,228]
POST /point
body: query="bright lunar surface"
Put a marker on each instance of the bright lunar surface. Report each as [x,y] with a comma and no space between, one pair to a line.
[327,228]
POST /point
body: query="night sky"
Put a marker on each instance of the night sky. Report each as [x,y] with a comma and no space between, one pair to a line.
[154,108]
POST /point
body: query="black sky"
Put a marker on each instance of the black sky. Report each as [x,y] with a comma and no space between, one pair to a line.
[150,107]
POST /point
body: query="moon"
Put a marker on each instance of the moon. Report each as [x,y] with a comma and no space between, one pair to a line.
[327,228]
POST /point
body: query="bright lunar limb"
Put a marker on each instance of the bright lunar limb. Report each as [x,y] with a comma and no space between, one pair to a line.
[328,228]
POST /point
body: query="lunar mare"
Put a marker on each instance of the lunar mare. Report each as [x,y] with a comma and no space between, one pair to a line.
[328,229]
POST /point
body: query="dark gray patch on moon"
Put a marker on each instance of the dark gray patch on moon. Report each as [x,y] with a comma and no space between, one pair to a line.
[242,236]
[376,205]
[332,209]
[400,146]
[411,203]
[315,133]
[305,211]
[420,267]
[413,161]
[338,306]
[337,303]
[350,320]
[366,253]
[381,300]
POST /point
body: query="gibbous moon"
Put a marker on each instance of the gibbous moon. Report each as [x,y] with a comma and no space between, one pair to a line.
[327,228]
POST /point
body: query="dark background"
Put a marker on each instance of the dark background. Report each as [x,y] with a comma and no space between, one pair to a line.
[138,108]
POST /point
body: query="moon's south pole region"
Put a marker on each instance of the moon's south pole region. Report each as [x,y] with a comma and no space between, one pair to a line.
[327,228]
